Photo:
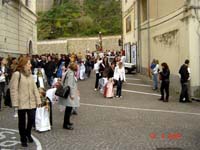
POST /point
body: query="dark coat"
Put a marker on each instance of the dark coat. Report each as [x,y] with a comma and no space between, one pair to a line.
[183,71]
[50,68]
[165,75]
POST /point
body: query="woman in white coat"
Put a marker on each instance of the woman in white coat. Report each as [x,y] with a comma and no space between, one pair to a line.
[119,76]
[73,98]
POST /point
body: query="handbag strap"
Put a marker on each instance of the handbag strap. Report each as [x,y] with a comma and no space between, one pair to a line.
[65,77]
[19,79]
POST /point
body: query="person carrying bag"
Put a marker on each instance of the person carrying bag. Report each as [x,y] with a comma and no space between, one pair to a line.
[73,98]
[63,91]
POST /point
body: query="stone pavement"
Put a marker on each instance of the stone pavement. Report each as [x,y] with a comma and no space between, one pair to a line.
[138,121]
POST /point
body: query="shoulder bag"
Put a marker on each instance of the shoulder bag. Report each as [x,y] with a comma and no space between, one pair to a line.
[62,91]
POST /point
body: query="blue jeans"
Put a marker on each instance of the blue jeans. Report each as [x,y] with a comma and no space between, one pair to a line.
[155,81]
[50,80]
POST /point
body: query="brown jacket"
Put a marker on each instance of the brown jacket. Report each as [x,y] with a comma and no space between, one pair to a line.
[25,95]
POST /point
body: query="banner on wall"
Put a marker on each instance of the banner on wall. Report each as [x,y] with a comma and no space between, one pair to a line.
[127,48]
[134,54]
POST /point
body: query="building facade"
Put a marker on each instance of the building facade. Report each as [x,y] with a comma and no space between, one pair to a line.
[167,30]
[18,34]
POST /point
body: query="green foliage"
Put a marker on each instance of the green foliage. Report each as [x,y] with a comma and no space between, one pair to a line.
[70,19]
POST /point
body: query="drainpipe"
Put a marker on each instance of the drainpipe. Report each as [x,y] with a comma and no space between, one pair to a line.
[122,26]
[139,41]
[18,24]
[148,37]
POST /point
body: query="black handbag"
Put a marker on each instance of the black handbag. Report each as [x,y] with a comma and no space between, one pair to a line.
[7,96]
[62,91]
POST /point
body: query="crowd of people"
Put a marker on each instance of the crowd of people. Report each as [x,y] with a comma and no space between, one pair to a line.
[33,80]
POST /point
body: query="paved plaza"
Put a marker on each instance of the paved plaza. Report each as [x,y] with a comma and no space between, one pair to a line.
[138,121]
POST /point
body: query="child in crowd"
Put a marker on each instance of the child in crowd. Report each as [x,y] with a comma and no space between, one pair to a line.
[46,103]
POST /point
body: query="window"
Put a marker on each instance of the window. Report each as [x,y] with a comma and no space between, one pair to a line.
[30,47]
[128,24]
[27,3]
[143,10]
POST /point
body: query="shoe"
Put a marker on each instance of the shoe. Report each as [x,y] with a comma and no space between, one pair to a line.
[117,96]
[30,139]
[161,99]
[181,101]
[24,144]
[71,124]
[15,115]
[74,113]
[68,127]
[188,101]
[120,96]
[95,89]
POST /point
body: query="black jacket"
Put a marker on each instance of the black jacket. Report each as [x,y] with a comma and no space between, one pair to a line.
[165,75]
[49,68]
[183,71]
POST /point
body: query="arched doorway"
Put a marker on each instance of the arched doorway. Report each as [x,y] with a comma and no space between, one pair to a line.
[30,47]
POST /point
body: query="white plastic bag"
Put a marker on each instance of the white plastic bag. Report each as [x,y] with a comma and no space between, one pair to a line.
[42,119]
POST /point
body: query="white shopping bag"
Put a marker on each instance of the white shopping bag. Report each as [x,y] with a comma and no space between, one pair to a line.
[42,119]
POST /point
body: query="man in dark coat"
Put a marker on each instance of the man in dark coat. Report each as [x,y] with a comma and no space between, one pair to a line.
[49,68]
[185,75]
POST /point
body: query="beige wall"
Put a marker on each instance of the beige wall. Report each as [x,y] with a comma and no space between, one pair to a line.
[168,6]
[77,45]
[18,28]
[194,47]
[159,8]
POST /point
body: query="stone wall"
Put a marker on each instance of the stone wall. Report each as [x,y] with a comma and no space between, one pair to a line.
[76,45]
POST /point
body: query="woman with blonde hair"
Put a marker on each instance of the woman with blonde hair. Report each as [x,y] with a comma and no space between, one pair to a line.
[25,97]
